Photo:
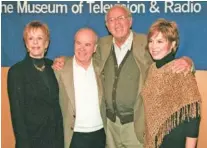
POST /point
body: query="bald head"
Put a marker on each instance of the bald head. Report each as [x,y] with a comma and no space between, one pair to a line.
[87,32]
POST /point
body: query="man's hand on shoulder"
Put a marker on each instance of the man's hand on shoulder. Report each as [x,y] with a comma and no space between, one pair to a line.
[58,63]
[183,64]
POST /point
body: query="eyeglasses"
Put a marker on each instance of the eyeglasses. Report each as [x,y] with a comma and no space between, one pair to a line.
[119,18]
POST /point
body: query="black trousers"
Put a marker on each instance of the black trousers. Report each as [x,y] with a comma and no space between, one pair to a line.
[95,139]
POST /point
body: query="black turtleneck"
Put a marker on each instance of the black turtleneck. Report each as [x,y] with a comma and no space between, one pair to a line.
[43,74]
[168,58]
[38,62]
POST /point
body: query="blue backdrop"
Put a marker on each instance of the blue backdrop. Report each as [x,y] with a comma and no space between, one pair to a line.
[192,27]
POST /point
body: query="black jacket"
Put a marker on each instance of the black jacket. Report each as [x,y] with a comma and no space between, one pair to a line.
[34,103]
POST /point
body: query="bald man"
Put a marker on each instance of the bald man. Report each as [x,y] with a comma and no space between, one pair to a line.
[81,95]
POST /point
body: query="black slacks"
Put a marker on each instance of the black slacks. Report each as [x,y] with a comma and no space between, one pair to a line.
[95,139]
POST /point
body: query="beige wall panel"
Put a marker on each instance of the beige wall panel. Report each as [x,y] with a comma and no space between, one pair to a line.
[201,77]
[7,136]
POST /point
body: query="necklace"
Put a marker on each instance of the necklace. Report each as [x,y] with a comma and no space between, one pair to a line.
[42,68]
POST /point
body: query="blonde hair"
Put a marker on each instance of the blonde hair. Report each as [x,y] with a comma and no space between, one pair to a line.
[35,25]
[168,29]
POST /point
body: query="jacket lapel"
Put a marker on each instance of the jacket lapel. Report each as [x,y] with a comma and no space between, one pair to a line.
[107,49]
[136,47]
[98,80]
[67,80]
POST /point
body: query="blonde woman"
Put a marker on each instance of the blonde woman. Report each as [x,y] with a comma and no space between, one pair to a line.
[34,94]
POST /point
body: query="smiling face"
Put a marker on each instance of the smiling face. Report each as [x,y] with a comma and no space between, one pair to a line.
[119,23]
[85,46]
[159,46]
[36,42]
[163,38]
[36,38]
